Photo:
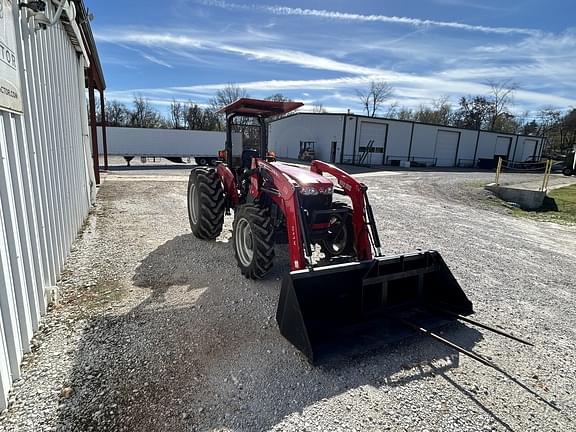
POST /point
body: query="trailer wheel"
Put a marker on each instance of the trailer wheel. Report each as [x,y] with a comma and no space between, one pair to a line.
[339,240]
[567,171]
[206,203]
[253,240]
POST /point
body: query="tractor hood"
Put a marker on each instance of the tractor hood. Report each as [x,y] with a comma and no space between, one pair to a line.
[305,177]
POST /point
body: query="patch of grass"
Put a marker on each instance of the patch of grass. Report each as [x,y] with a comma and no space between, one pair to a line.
[474,184]
[559,207]
[102,294]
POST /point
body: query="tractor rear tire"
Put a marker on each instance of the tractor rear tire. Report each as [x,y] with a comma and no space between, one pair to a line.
[206,203]
[340,239]
[253,240]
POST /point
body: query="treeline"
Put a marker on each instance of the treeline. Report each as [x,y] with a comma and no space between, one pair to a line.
[181,115]
[493,111]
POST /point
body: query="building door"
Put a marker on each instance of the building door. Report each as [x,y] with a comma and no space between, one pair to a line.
[333,152]
[371,145]
[502,148]
[529,149]
[446,148]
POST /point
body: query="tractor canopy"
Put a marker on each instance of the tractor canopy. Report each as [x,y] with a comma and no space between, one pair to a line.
[259,108]
[256,108]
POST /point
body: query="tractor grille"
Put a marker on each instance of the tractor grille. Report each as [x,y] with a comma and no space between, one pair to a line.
[314,203]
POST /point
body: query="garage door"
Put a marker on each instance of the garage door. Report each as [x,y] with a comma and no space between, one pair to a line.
[446,148]
[529,149]
[371,143]
[503,145]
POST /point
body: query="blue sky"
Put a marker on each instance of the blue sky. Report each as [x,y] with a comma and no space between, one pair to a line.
[322,51]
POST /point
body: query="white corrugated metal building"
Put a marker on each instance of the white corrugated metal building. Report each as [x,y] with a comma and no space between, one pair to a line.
[47,180]
[356,139]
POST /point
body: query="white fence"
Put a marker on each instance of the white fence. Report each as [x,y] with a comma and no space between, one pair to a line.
[45,182]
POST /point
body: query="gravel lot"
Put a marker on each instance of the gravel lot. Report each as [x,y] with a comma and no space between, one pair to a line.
[158,331]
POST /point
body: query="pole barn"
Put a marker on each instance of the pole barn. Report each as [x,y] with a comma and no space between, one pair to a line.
[373,141]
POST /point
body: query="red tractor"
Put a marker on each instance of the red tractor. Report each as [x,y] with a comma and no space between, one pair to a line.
[352,294]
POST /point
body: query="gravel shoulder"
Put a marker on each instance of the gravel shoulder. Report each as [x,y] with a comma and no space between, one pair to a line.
[158,331]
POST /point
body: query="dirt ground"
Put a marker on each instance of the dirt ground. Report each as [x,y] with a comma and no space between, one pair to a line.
[158,331]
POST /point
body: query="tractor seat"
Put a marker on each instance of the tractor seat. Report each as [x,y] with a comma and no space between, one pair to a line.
[247,156]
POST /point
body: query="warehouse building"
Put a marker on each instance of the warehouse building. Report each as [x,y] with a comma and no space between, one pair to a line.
[48,172]
[361,140]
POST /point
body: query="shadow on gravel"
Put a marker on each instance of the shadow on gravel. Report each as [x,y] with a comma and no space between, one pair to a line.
[203,352]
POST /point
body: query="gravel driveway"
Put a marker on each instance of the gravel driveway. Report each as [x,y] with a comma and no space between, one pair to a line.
[158,331]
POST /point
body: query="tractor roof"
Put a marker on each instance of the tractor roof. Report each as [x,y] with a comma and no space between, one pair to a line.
[259,108]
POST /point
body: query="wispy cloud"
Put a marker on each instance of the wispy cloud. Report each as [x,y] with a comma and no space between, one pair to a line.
[276,55]
[459,78]
[156,60]
[354,17]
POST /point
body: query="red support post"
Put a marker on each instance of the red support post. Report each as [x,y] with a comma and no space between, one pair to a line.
[93,130]
[103,122]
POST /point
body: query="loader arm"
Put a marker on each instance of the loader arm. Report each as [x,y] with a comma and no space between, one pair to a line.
[284,195]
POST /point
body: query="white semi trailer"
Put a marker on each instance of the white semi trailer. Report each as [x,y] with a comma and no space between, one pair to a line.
[173,144]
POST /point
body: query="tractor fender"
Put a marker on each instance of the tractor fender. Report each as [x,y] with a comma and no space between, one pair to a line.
[229,183]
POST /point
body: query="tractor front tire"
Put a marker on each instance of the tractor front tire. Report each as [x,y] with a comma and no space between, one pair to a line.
[567,171]
[206,203]
[339,240]
[253,240]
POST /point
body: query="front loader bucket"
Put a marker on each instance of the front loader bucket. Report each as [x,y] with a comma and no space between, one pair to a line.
[340,308]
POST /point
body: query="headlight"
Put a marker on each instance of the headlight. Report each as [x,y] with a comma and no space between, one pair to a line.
[308,191]
[328,190]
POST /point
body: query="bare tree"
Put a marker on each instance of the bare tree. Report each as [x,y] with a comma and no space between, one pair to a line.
[404,113]
[440,112]
[226,95]
[144,115]
[318,108]
[178,112]
[501,97]
[373,97]
[392,108]
[198,118]
[278,97]
[473,112]
[194,117]
[117,114]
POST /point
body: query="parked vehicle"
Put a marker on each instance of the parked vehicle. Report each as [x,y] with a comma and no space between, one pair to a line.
[175,145]
[570,164]
[307,152]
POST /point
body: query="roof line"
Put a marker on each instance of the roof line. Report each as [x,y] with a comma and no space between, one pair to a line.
[404,121]
[84,22]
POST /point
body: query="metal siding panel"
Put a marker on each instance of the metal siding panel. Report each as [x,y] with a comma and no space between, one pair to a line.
[5,375]
[51,225]
[12,232]
[53,138]
[7,299]
[38,124]
[35,171]
[22,202]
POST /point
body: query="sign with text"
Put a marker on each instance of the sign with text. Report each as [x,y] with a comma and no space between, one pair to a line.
[10,97]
